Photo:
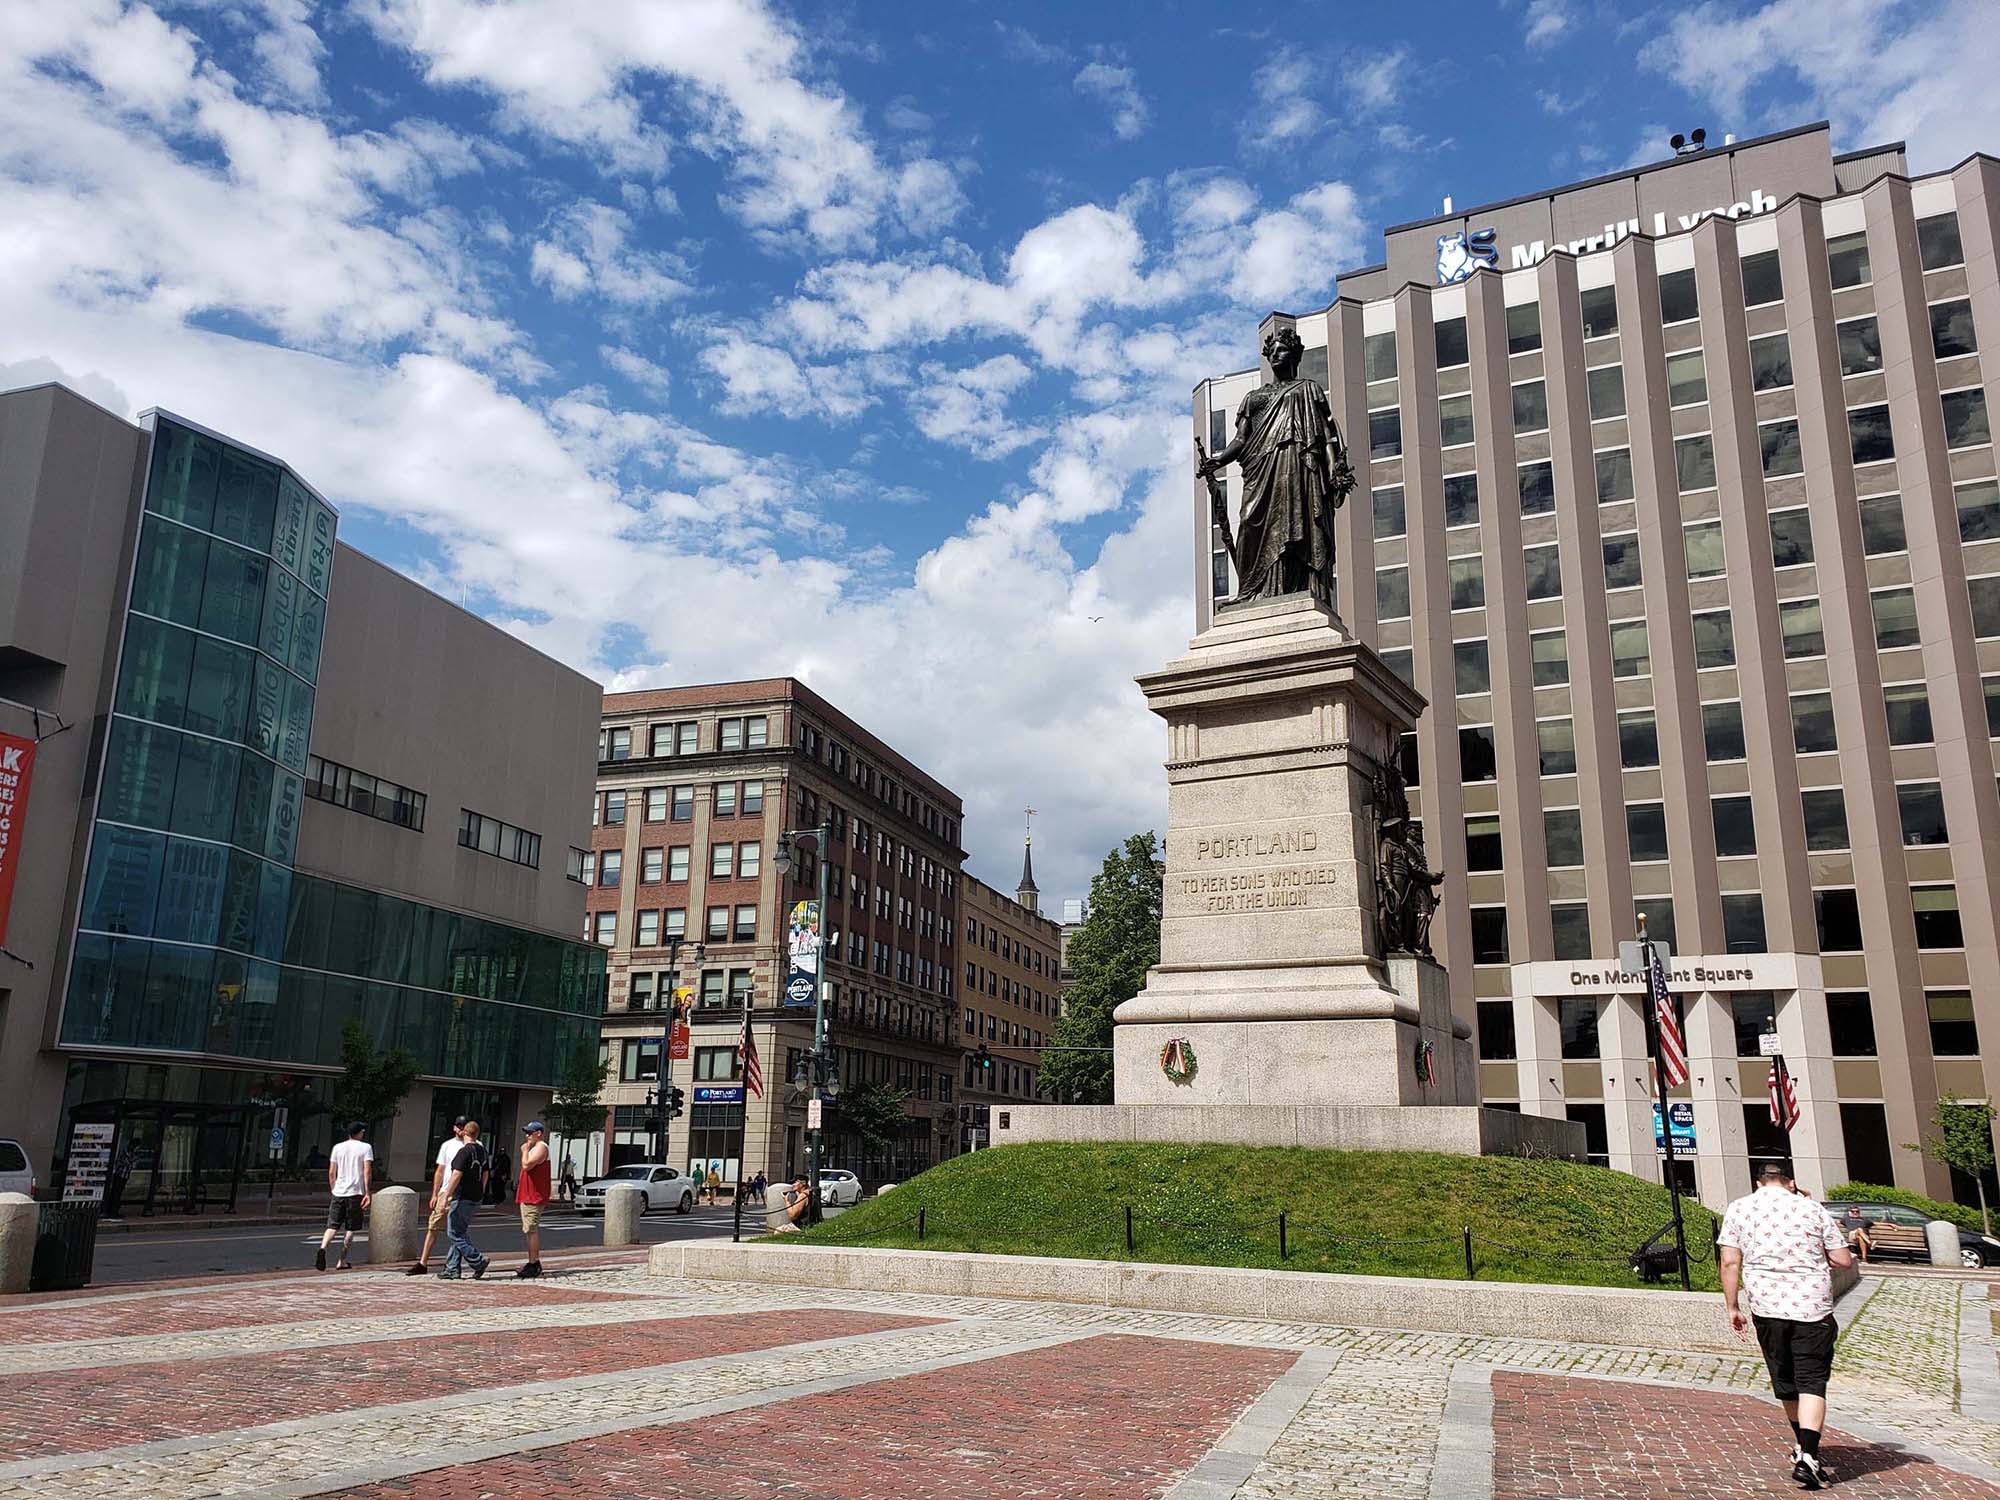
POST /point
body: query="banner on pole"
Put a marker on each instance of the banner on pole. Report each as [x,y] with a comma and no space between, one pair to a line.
[802,946]
[677,1041]
[17,765]
[1682,1114]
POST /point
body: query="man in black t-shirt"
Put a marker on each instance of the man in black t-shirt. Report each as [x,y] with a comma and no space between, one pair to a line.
[462,1186]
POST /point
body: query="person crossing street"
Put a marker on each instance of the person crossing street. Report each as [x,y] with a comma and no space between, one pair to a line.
[1781,1248]
[463,1185]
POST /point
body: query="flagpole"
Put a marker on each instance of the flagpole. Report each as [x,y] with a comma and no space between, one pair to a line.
[743,1136]
[1666,1118]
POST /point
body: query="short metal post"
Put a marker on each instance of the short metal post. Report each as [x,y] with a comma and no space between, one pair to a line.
[736,1229]
[920,1226]
[1283,1252]
[1128,1229]
[1470,1274]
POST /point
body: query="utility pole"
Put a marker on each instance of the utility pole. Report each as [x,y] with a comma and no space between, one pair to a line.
[817,1058]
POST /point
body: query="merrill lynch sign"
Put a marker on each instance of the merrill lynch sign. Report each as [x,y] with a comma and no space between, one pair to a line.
[1459,255]
[1752,971]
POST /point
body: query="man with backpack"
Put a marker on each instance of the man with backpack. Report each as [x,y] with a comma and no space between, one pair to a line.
[463,1185]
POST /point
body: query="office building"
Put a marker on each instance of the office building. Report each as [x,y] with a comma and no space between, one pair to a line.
[1677,500]
[1011,974]
[694,787]
[275,788]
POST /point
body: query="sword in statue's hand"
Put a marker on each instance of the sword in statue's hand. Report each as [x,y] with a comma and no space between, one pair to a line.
[1218,503]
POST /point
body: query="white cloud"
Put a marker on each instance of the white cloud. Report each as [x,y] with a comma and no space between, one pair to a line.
[762,377]
[1282,107]
[585,249]
[585,76]
[1880,72]
[968,408]
[1374,80]
[1118,90]
[635,367]
[1546,21]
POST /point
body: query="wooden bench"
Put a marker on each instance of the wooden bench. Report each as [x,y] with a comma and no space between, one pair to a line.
[1898,1240]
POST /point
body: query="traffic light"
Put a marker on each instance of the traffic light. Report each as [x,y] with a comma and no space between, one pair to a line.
[982,1059]
[676,1101]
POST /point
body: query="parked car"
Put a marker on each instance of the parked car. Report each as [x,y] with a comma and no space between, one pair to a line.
[665,1187]
[1974,1249]
[838,1188]
[16,1176]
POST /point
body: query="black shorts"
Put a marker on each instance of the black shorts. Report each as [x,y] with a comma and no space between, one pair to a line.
[344,1213]
[1798,1355]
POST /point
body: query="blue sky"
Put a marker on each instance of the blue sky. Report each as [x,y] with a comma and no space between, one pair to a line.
[706,339]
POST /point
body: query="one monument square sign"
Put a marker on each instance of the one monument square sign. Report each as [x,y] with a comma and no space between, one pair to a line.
[1295,1001]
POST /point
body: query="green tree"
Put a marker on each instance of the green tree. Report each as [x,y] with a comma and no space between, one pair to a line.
[1109,956]
[1962,1137]
[577,1107]
[371,1083]
[872,1112]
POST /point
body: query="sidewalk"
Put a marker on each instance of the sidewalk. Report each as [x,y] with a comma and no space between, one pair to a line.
[251,1214]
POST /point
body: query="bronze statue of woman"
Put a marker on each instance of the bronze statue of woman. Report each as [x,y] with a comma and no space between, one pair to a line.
[1295,475]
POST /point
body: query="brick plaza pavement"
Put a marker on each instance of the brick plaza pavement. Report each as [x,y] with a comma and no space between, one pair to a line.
[605,1381]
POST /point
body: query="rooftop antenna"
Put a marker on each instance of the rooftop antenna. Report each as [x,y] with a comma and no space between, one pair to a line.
[1031,827]
[1447,202]
[1687,145]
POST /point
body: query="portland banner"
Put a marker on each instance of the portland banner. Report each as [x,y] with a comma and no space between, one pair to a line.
[802,943]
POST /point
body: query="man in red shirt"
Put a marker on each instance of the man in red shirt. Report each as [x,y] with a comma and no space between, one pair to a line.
[531,1192]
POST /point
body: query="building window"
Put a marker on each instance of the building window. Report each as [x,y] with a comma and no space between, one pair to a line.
[756,732]
[1392,593]
[358,791]
[1920,808]
[1470,670]
[1743,923]
[1936,910]
[1659,914]
[1847,259]
[1868,435]
[1799,624]
[1629,654]
[753,797]
[614,744]
[610,865]
[1454,421]
[1482,842]
[1763,280]
[1638,739]
[1895,613]
[1938,243]
[1753,1015]
[652,865]
[1450,340]
[1646,832]
[1694,463]
[1714,640]
[1965,424]
[1859,341]
[678,861]
[1605,389]
[1780,444]
[491,836]
[1461,500]
[647,934]
[1909,709]
[639,1059]
[746,923]
[1770,362]
[1621,561]
[1531,406]
[605,928]
[1882,524]
[1378,356]
[1952,333]
[1614,476]
[1555,742]
[677,924]
[1562,837]
[1954,1032]
[1496,1031]
[1687,379]
[1838,917]
[1791,537]
[685,738]
[1543,567]
[579,865]
[1489,934]
[1678,302]
[1978,510]
[1722,731]
[661,738]
[722,799]
[1569,923]
[1524,327]
[614,809]
[683,804]
[718,923]
[1385,433]
[1812,723]
[1389,517]
[1735,829]
[1477,757]
[1599,306]
[721,861]
[1548,654]
[1702,550]
[1579,1028]
[1826,819]
[1850,1023]
[1537,485]
[1466,578]
[749,861]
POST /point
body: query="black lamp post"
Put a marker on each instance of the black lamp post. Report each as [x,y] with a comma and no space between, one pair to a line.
[822,837]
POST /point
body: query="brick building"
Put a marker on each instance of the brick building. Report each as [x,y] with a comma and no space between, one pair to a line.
[1012,993]
[695,784]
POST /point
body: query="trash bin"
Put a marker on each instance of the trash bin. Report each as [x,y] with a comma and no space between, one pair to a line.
[65,1245]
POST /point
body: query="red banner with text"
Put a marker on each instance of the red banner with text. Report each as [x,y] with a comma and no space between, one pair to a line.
[17,763]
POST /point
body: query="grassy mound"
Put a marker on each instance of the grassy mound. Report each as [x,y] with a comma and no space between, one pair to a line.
[1871,1192]
[1382,1213]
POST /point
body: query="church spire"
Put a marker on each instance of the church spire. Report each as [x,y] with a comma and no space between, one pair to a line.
[1027,892]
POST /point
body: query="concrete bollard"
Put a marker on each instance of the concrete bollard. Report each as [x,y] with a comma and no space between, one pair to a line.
[622,1207]
[395,1231]
[1942,1236]
[20,1221]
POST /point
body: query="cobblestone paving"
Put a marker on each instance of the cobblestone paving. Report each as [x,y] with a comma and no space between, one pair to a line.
[1583,1439]
[612,1382]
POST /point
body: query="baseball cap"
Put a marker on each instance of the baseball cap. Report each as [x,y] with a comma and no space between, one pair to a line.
[458,1122]
[532,1127]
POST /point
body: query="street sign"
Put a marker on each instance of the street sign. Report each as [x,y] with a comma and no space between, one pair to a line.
[280,1117]
[277,1141]
[813,1114]
[1682,1114]
[1632,958]
[1768,1044]
[718,1093]
[88,1163]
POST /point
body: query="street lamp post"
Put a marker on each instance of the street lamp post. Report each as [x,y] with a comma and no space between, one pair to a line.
[666,1116]
[822,837]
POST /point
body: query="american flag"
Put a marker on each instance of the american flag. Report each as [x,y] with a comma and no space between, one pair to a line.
[1673,1051]
[1784,1097]
[746,1053]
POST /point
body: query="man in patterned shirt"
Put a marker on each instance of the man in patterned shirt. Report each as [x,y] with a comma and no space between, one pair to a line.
[1780,1247]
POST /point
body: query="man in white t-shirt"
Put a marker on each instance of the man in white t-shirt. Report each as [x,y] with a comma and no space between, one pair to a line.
[350,1175]
[440,1206]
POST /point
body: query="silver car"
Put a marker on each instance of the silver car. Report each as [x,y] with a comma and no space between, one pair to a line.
[664,1187]
[838,1188]
[16,1176]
